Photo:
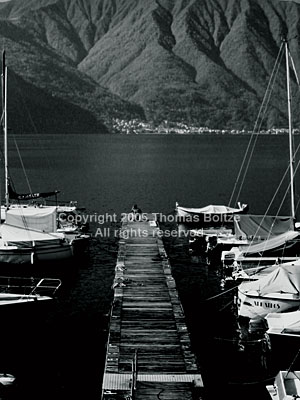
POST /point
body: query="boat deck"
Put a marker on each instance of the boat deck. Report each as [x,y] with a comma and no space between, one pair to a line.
[149,350]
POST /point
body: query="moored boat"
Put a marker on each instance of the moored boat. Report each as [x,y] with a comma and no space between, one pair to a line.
[72,224]
[284,244]
[19,290]
[70,219]
[208,216]
[263,252]
[286,386]
[247,232]
[278,291]
[29,234]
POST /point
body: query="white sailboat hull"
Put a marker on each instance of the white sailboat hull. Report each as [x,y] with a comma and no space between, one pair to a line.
[14,299]
[19,245]
[252,305]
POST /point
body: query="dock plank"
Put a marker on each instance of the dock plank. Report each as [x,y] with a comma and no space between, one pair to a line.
[147,325]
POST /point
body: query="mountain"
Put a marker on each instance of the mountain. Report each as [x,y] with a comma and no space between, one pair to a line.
[205,62]
[48,93]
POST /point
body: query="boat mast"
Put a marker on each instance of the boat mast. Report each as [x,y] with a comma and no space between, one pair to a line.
[290,129]
[5,131]
[2,104]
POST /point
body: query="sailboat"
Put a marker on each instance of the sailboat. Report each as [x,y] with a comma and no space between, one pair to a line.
[249,237]
[28,235]
[206,225]
[69,215]
[269,239]
[280,290]
[262,240]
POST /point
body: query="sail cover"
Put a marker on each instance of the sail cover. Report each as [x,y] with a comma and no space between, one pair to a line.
[284,279]
[42,219]
[211,209]
[269,244]
[261,226]
[29,196]
[16,235]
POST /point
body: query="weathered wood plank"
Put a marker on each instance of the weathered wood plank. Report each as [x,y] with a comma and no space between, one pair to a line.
[147,319]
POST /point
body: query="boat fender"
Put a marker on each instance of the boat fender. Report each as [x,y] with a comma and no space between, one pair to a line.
[32,257]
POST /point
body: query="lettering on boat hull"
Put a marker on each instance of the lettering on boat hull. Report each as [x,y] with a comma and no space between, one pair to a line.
[259,307]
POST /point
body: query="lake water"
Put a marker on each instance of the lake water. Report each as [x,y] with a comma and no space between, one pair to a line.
[58,351]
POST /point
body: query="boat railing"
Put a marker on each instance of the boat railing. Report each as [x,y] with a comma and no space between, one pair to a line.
[30,285]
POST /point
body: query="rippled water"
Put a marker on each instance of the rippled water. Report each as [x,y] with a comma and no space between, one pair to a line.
[58,351]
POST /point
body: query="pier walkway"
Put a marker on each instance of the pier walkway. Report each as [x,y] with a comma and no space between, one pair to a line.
[148,351]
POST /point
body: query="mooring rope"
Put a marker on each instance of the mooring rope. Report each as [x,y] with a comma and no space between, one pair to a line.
[222,293]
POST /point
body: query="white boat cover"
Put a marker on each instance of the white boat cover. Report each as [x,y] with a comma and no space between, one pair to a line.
[261,226]
[210,209]
[284,279]
[287,321]
[37,218]
[254,272]
[269,244]
[13,234]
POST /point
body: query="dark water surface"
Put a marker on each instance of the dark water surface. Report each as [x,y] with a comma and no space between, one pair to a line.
[57,351]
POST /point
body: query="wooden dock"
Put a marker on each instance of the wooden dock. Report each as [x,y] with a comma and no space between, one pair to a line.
[148,351]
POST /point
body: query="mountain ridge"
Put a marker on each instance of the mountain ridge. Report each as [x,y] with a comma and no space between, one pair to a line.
[202,62]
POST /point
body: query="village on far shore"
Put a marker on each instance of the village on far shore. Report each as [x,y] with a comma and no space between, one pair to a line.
[136,127]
